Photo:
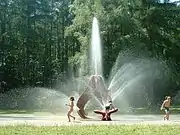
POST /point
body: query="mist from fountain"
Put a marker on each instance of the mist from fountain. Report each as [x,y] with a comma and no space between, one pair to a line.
[125,85]
[39,99]
[128,72]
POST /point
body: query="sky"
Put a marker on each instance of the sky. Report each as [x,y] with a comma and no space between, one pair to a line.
[171,0]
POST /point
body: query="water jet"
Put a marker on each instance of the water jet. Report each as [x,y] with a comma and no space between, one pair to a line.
[96,86]
[125,78]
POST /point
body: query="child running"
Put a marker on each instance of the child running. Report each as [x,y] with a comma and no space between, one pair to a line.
[166,105]
[71,108]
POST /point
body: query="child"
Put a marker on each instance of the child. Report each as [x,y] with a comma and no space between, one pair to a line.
[71,108]
[166,105]
[108,106]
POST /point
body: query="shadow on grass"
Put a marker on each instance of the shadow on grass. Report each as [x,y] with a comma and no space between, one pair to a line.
[155,111]
[19,118]
[135,111]
[15,111]
[37,112]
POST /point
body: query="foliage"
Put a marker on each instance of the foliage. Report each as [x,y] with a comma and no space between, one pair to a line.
[41,40]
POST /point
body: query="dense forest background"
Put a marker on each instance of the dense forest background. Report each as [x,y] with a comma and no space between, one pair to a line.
[42,41]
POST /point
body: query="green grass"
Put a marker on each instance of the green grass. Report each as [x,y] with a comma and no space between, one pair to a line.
[92,130]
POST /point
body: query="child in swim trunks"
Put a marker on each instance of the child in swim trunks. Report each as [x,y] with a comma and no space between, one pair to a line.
[166,105]
[108,106]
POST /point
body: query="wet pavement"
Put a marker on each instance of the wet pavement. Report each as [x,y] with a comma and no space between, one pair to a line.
[55,120]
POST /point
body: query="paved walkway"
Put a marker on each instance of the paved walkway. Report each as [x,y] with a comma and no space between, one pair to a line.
[54,120]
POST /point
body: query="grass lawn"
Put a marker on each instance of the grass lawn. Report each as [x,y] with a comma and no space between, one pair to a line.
[92,130]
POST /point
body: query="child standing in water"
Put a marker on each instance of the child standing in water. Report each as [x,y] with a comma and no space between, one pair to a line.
[71,108]
[166,105]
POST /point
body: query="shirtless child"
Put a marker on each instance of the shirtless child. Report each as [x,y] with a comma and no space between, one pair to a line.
[71,108]
[108,106]
[166,105]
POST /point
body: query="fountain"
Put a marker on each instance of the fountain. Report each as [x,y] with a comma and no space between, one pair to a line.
[96,85]
[130,75]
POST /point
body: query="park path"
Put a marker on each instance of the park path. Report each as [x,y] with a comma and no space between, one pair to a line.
[55,120]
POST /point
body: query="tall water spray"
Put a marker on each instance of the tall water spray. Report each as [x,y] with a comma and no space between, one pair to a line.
[96,49]
[128,80]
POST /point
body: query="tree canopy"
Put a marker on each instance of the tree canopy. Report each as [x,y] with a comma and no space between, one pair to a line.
[41,41]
